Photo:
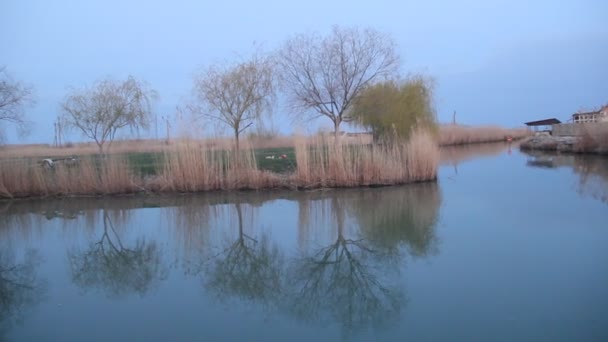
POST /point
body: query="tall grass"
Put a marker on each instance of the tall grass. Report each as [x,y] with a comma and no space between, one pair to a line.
[593,138]
[327,163]
[192,168]
[460,135]
[25,178]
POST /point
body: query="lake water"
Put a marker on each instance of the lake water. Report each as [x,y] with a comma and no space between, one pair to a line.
[504,247]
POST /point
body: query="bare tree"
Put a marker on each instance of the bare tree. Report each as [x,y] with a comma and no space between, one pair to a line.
[14,97]
[323,75]
[236,95]
[99,112]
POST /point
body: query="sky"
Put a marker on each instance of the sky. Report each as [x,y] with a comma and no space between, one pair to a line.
[494,62]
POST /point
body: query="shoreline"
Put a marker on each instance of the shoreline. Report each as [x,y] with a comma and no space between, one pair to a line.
[563,144]
[193,167]
[267,190]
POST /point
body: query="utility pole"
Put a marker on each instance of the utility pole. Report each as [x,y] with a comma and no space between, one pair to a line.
[59,132]
[454,118]
[55,140]
[156,124]
[168,125]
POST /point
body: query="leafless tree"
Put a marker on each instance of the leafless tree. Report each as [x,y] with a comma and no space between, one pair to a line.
[236,95]
[14,97]
[100,111]
[323,74]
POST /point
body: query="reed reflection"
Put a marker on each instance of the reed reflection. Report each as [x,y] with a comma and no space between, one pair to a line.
[592,171]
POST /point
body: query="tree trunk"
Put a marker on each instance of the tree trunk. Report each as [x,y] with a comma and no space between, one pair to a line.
[336,130]
[237,153]
[236,139]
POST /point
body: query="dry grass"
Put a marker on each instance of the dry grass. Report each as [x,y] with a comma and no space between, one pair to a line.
[40,150]
[25,178]
[460,135]
[134,146]
[325,163]
[192,166]
[594,138]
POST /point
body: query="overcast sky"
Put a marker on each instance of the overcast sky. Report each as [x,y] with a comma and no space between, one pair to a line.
[495,62]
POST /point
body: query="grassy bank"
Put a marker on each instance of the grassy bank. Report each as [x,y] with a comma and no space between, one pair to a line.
[189,166]
[461,135]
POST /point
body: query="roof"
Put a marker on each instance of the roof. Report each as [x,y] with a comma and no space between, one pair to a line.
[544,122]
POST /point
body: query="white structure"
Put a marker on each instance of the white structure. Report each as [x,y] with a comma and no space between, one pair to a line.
[598,116]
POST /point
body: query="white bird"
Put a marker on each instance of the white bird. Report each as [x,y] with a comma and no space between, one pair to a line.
[48,163]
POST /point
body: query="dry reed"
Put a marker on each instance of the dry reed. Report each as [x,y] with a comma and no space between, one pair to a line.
[27,178]
[135,146]
[593,138]
[327,163]
[193,168]
[460,135]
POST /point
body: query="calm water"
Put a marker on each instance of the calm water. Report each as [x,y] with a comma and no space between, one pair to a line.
[505,247]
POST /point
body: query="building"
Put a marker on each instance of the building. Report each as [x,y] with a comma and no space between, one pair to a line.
[596,116]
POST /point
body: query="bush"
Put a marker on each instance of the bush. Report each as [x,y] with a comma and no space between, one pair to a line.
[393,109]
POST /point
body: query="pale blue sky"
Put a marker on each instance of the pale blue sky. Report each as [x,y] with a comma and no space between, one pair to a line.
[502,62]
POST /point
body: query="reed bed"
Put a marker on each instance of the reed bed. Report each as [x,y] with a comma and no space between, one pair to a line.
[194,167]
[461,135]
[329,163]
[593,138]
[136,146]
[27,178]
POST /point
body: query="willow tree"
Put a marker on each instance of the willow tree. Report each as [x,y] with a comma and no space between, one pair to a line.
[236,95]
[391,109]
[100,111]
[14,97]
[323,74]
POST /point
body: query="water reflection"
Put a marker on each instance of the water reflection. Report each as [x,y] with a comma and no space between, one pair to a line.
[342,267]
[402,218]
[20,287]
[248,268]
[113,268]
[592,170]
[455,155]
[342,281]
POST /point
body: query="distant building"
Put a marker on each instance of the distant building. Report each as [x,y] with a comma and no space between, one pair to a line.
[597,116]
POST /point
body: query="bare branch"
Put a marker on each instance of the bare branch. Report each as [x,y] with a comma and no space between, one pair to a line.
[100,111]
[236,95]
[323,75]
[14,98]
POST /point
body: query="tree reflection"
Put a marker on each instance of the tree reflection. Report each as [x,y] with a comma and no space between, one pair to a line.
[108,265]
[19,287]
[400,216]
[247,268]
[344,280]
